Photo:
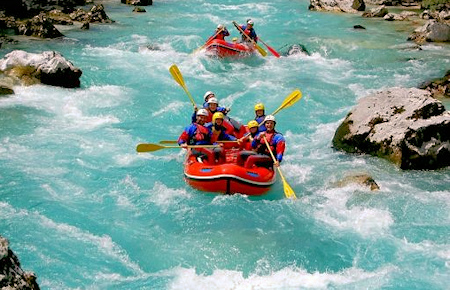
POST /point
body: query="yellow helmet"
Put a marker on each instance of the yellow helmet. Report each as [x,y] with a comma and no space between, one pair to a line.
[217,115]
[259,106]
[252,124]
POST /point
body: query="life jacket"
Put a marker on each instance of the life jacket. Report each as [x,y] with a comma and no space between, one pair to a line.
[260,120]
[216,131]
[220,36]
[210,115]
[262,148]
[201,135]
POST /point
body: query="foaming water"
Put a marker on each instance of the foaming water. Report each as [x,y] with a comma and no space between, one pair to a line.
[83,210]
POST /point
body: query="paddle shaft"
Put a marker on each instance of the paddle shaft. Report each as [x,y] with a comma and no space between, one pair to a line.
[209,39]
[287,102]
[288,191]
[273,51]
[150,147]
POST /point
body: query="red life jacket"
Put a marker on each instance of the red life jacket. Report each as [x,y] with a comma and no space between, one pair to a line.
[220,36]
[201,134]
[262,148]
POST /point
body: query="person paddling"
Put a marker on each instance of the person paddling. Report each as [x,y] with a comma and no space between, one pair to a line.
[275,139]
[220,33]
[249,31]
[196,133]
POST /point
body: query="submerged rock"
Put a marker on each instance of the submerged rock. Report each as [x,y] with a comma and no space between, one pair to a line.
[293,50]
[4,90]
[364,180]
[49,67]
[11,274]
[405,126]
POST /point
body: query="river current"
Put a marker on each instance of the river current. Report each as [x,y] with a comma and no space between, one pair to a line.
[83,210]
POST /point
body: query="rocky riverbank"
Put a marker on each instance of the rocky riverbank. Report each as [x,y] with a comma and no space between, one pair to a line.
[11,274]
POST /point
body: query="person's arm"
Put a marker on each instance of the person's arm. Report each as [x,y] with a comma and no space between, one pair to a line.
[228,137]
[280,145]
[184,137]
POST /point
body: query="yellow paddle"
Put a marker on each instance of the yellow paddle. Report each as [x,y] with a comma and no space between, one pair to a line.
[259,48]
[293,98]
[289,100]
[178,77]
[288,191]
[150,147]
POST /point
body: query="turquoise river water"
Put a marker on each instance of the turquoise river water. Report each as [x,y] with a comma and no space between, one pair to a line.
[83,210]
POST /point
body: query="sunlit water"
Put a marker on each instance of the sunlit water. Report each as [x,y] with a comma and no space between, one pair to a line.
[83,210]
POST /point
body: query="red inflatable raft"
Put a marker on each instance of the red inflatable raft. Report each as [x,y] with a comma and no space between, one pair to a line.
[222,48]
[233,171]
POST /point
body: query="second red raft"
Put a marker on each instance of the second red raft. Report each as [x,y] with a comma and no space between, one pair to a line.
[222,48]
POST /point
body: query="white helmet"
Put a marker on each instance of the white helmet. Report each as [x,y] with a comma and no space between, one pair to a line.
[270,118]
[207,94]
[250,21]
[213,101]
[202,112]
[220,26]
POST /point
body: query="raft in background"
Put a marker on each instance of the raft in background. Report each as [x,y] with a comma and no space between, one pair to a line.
[222,48]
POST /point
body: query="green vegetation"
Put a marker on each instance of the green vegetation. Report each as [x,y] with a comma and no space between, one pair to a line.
[433,4]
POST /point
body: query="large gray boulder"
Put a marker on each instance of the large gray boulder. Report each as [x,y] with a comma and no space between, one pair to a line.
[11,274]
[432,31]
[405,126]
[49,67]
[336,5]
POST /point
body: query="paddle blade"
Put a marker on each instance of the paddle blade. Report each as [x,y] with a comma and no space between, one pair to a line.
[178,77]
[176,74]
[261,50]
[288,191]
[294,97]
[148,147]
